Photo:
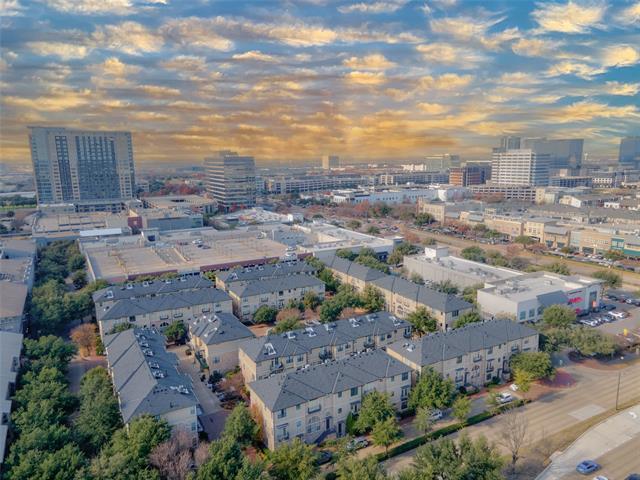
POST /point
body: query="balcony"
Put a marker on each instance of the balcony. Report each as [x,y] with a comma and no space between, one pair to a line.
[283,437]
[278,367]
[369,344]
[325,355]
[477,358]
[314,409]
[490,368]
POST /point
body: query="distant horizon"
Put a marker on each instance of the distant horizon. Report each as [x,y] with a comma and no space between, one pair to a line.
[287,82]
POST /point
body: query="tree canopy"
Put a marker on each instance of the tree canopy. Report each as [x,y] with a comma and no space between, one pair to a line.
[432,391]
[466,319]
[376,407]
[474,253]
[611,279]
[422,321]
[292,461]
[265,314]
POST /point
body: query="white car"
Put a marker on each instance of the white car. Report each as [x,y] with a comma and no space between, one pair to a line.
[436,414]
[504,397]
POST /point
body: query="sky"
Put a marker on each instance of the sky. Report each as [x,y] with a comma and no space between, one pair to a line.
[291,81]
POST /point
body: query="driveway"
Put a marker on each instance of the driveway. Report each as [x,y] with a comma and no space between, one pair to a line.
[212,415]
[78,366]
[618,436]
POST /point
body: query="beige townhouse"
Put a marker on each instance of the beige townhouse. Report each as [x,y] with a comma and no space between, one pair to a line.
[275,292]
[471,355]
[261,357]
[216,338]
[314,403]
[263,272]
[402,297]
[161,310]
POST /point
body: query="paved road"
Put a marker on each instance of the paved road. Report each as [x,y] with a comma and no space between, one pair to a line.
[613,444]
[593,393]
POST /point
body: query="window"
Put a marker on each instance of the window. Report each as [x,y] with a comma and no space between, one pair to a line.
[193,426]
[339,394]
[532,313]
[526,341]
[339,410]
[354,391]
[206,309]
[132,318]
[300,358]
[216,359]
[282,413]
[289,359]
[340,348]
[523,315]
[405,376]
[459,359]
[297,407]
[455,313]
[490,351]
[177,315]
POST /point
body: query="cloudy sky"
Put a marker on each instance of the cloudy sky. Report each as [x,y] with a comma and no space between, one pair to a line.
[292,80]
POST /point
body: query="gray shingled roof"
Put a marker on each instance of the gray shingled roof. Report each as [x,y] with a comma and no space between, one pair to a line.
[219,328]
[154,287]
[139,391]
[301,386]
[336,333]
[420,293]
[141,305]
[473,337]
[261,272]
[258,287]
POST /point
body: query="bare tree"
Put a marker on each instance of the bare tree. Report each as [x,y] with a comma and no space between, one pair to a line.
[174,457]
[514,432]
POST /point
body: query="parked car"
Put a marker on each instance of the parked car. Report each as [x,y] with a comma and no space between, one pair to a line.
[323,456]
[357,443]
[587,466]
[504,397]
[633,476]
[436,414]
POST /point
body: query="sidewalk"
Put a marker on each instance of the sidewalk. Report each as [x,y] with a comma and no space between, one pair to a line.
[596,442]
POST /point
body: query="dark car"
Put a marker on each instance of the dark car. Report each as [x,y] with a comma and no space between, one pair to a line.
[633,476]
[323,456]
[587,466]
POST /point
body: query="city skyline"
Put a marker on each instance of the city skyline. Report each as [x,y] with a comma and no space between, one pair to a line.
[293,81]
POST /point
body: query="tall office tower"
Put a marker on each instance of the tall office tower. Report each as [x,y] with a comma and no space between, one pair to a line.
[231,180]
[563,153]
[89,168]
[520,167]
[509,143]
[629,151]
[330,161]
[439,163]
[470,174]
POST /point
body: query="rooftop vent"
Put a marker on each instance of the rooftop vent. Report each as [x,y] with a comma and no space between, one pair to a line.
[109,294]
[148,352]
[129,286]
[145,284]
[183,279]
[154,364]
[310,331]
[411,347]
[158,374]
[291,335]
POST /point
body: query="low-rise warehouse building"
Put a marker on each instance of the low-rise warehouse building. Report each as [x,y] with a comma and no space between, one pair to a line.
[524,298]
[147,382]
[314,402]
[276,353]
[471,355]
[216,338]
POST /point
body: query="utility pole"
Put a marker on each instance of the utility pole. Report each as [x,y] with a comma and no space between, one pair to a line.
[618,390]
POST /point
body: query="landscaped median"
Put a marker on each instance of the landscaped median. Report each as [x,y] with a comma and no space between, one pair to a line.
[448,430]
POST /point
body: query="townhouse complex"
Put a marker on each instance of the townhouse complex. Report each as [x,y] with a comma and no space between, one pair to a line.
[264,356]
[216,338]
[147,382]
[314,402]
[262,272]
[401,296]
[471,355]
[158,310]
[10,348]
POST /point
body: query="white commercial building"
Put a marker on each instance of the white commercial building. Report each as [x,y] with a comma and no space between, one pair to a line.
[436,265]
[520,167]
[394,196]
[524,298]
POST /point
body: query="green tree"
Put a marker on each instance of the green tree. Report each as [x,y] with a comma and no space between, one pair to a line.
[120,327]
[252,471]
[558,316]
[372,262]
[474,253]
[346,253]
[287,324]
[354,224]
[523,379]
[330,310]
[240,426]
[47,351]
[524,240]
[265,314]
[51,307]
[467,318]
[470,293]
[99,415]
[422,321]
[611,279]
[372,299]
[432,391]
[353,468]
[446,286]
[416,278]
[79,278]
[126,456]
[385,432]
[293,461]
[376,407]
[423,420]
[424,219]
[591,342]
[558,267]
[492,401]
[398,254]
[176,332]
[311,301]
[62,464]
[613,255]
[461,408]
[373,230]
[331,283]
[224,462]
[537,364]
